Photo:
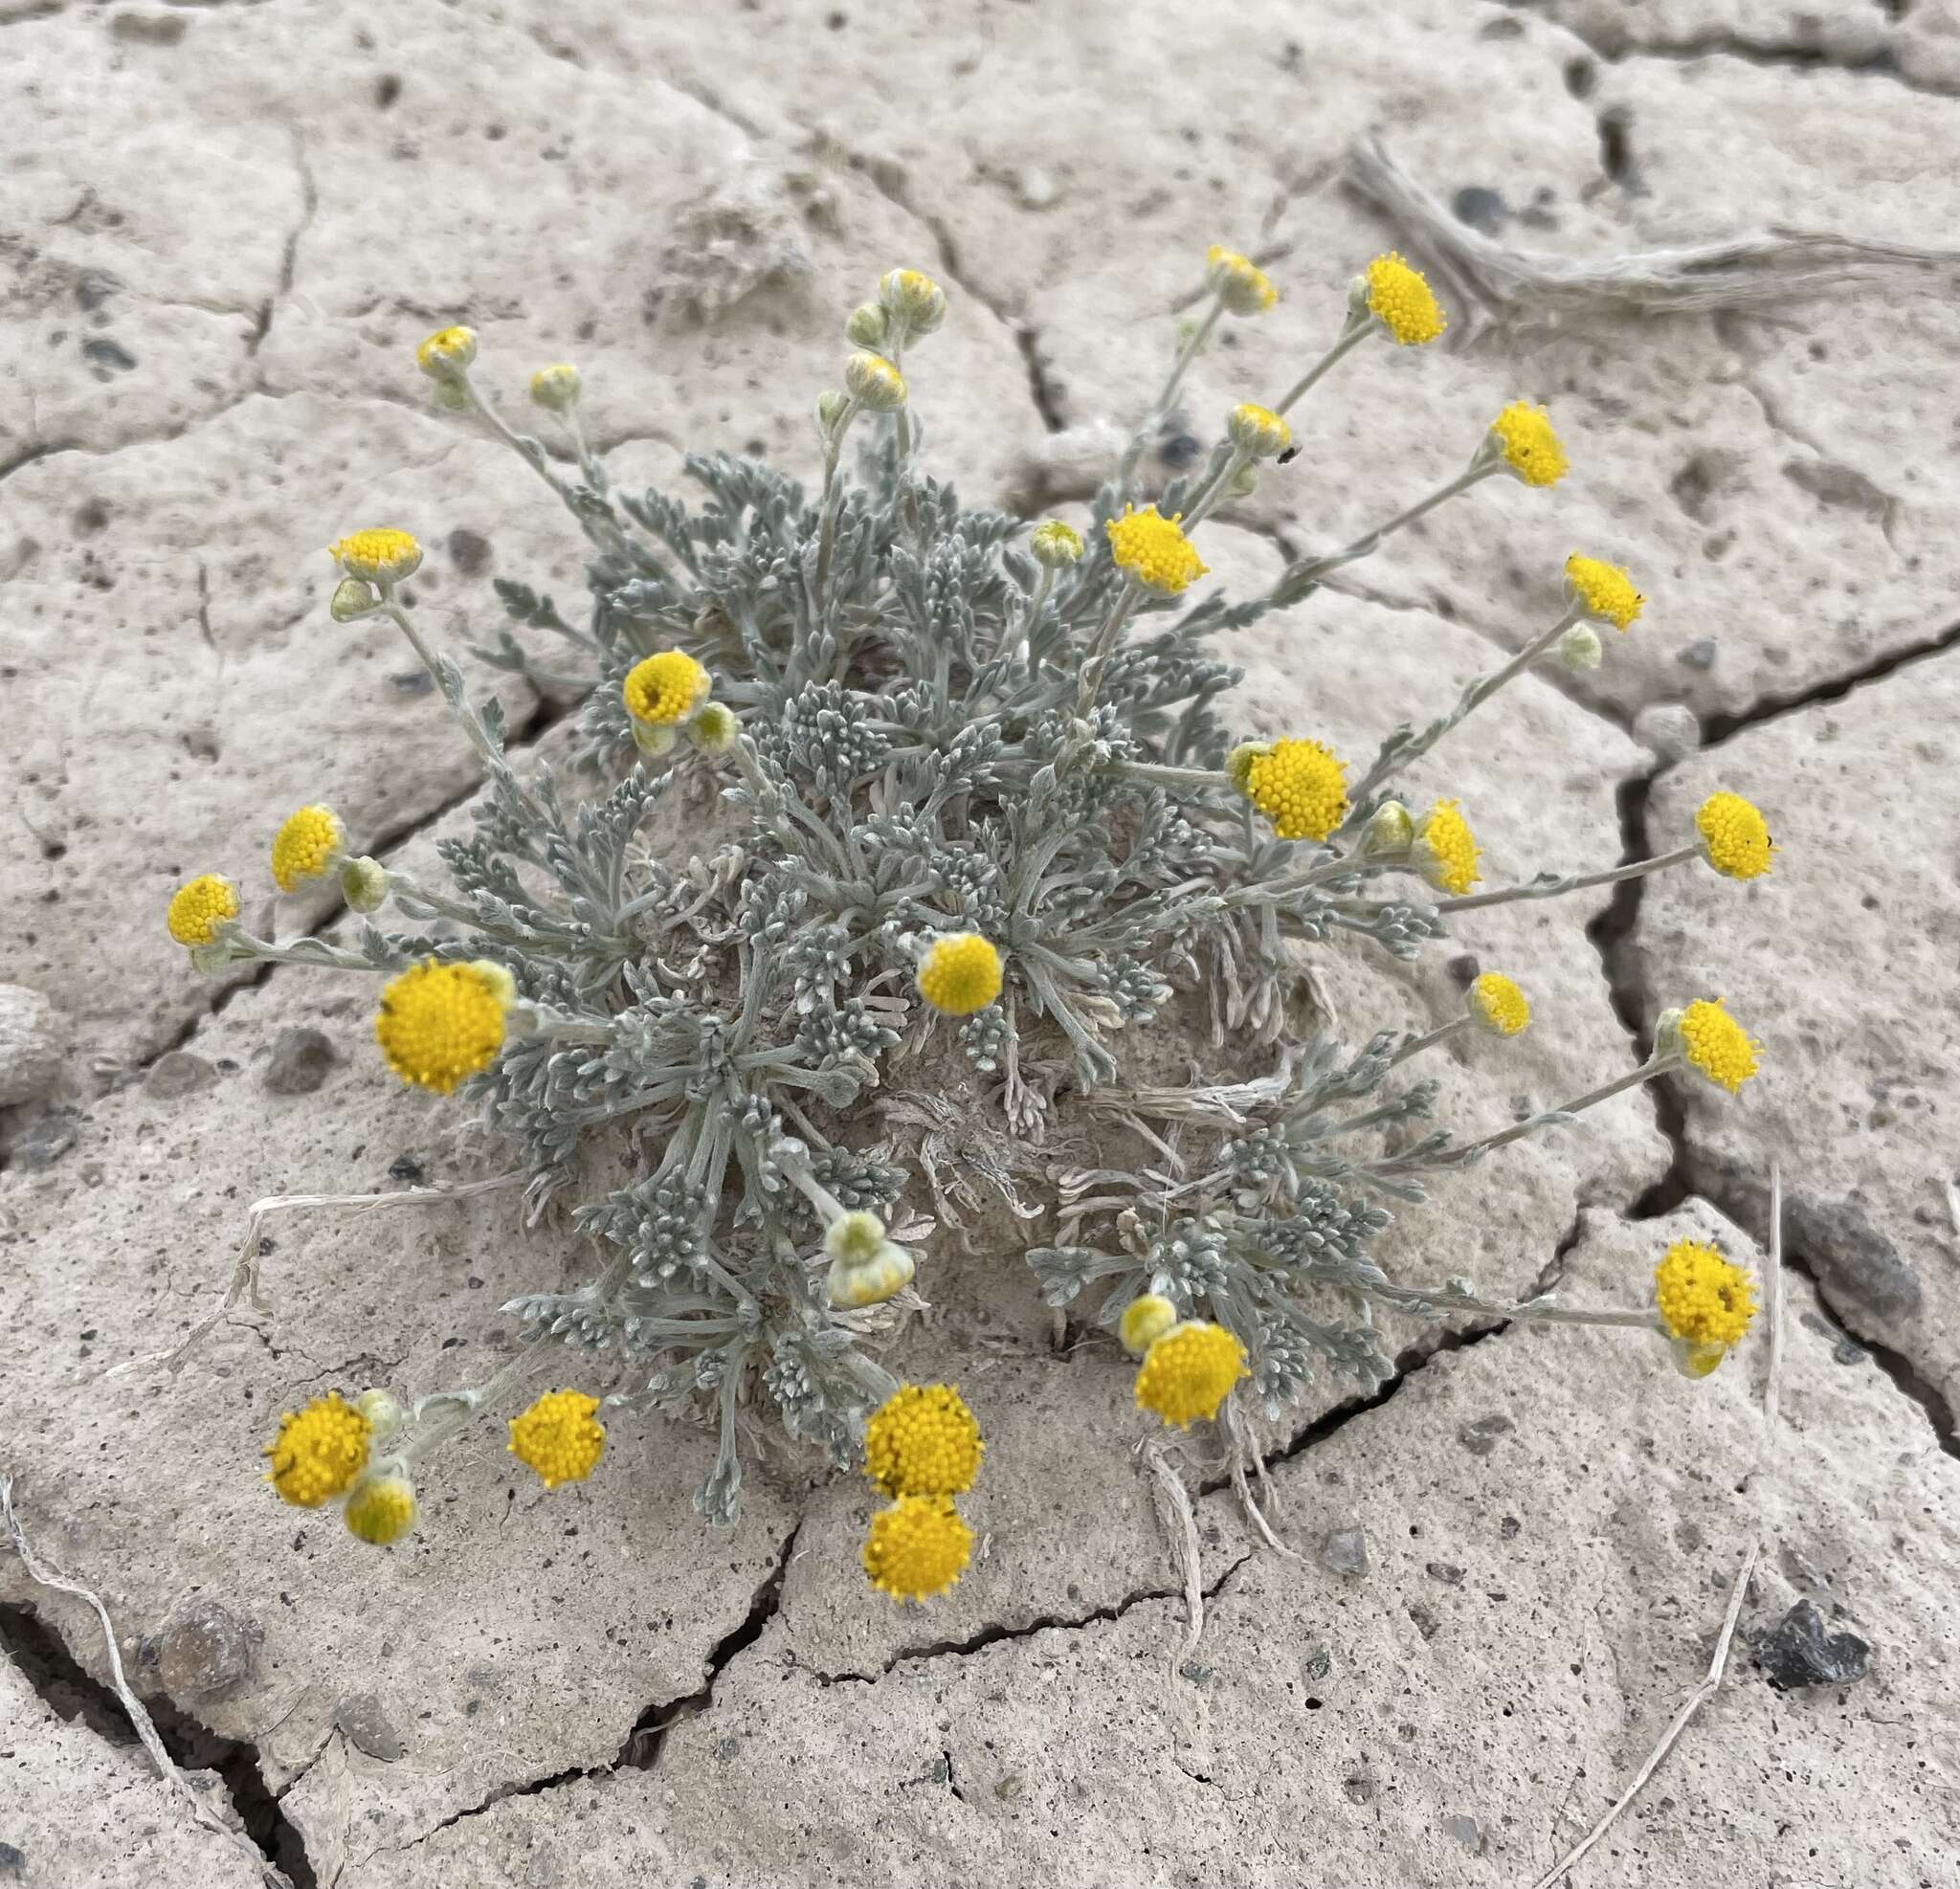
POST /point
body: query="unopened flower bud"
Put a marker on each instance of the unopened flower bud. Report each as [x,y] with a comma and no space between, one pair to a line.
[1258,430]
[381,1506]
[830,409]
[868,325]
[1390,831]
[1055,545]
[353,598]
[556,388]
[888,1272]
[1145,1321]
[1580,649]
[446,355]
[713,730]
[873,382]
[855,1237]
[1242,286]
[364,884]
[916,301]
[382,1410]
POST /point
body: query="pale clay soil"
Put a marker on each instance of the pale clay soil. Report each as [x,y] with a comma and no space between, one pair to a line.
[224,226]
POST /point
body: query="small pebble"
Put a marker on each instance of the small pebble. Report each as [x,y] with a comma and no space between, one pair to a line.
[33,1041]
[1798,1652]
[178,1073]
[1698,654]
[1668,729]
[1345,1551]
[300,1058]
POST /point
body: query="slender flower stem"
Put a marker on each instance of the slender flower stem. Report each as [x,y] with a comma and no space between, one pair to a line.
[1557,888]
[1356,331]
[1104,645]
[1199,508]
[1442,1034]
[1194,341]
[298,952]
[1531,1311]
[459,1408]
[833,499]
[1646,1073]
[1313,567]
[1392,760]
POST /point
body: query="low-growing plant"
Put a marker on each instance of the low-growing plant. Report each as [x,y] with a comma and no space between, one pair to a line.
[983,813]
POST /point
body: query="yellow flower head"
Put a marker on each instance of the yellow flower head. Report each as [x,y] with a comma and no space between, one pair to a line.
[1155,549]
[960,974]
[556,388]
[447,353]
[1531,448]
[381,556]
[918,1547]
[1703,1298]
[1734,839]
[660,690]
[1399,299]
[1245,289]
[1498,1004]
[1717,1045]
[201,909]
[1055,545]
[1299,787]
[1258,430]
[308,845]
[559,1437]
[873,382]
[381,1508]
[1189,1372]
[923,1441]
[439,1023]
[1446,851]
[318,1452]
[1604,590]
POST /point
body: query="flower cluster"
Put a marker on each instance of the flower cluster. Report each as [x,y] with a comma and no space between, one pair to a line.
[921,1447]
[981,815]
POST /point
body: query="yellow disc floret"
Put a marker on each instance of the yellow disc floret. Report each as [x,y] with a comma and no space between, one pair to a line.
[1399,299]
[1299,786]
[559,1437]
[308,845]
[663,689]
[1444,851]
[318,1452]
[1155,549]
[439,1023]
[960,974]
[1531,448]
[1188,1372]
[381,556]
[1703,1298]
[1734,838]
[201,909]
[1244,288]
[1717,1045]
[923,1441]
[447,353]
[1498,1004]
[381,1508]
[917,1547]
[1603,591]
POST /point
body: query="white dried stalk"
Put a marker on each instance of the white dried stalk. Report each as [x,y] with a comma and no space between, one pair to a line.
[1511,283]
[1696,1699]
[46,1575]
